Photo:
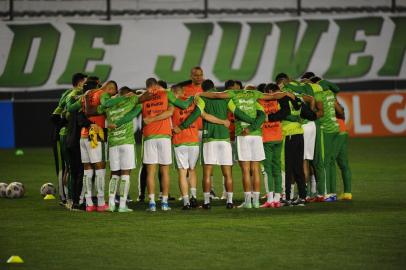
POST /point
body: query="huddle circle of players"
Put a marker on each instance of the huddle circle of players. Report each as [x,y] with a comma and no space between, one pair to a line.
[295,130]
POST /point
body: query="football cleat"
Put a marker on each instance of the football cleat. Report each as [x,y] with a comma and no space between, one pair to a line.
[91,208]
[286,203]
[246,205]
[229,205]
[332,198]
[266,205]
[112,207]
[299,202]
[193,202]
[165,207]
[213,195]
[102,208]
[151,207]
[124,210]
[276,204]
[206,206]
[186,207]
[346,197]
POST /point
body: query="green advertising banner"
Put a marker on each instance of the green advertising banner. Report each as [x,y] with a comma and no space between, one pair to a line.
[44,55]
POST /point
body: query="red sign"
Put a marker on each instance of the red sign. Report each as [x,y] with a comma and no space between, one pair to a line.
[371,114]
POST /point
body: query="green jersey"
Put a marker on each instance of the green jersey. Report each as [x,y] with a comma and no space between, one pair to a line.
[328,122]
[246,101]
[62,102]
[217,108]
[123,134]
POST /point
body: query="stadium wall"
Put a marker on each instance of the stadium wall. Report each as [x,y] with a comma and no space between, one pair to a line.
[355,51]
[369,114]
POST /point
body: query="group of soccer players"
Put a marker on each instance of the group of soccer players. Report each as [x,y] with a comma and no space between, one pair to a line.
[294,130]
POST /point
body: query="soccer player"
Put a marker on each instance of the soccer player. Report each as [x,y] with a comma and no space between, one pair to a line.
[342,158]
[249,137]
[92,144]
[121,145]
[309,137]
[326,105]
[74,124]
[59,138]
[157,134]
[186,142]
[305,93]
[216,142]
[186,148]
[272,140]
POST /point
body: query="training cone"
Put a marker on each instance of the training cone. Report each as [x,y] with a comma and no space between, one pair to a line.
[15,259]
[19,152]
[49,197]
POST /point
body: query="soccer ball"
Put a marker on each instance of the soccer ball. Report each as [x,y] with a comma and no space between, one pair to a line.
[19,184]
[3,188]
[14,191]
[48,188]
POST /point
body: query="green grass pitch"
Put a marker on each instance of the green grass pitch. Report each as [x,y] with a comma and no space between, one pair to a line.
[367,233]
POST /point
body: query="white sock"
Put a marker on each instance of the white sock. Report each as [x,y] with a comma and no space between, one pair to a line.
[151,198]
[224,186]
[185,200]
[87,182]
[124,189]
[313,184]
[206,197]
[277,197]
[247,197]
[292,191]
[255,198]
[164,199]
[100,175]
[266,182]
[82,194]
[193,192]
[113,188]
[270,197]
[230,197]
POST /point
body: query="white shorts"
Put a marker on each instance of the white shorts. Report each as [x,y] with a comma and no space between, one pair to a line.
[158,151]
[186,156]
[217,153]
[89,154]
[250,148]
[309,138]
[122,157]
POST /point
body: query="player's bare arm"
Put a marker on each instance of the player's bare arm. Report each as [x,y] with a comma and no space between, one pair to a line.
[164,115]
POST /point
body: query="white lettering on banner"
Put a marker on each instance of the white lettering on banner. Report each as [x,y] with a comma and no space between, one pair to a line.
[359,128]
[400,113]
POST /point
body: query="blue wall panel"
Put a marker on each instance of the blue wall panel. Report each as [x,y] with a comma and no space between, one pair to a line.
[7,139]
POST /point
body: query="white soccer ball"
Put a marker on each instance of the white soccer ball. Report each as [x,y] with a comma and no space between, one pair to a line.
[3,190]
[14,191]
[48,188]
[19,184]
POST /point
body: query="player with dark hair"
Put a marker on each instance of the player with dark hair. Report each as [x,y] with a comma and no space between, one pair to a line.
[75,121]
[324,161]
[249,137]
[58,117]
[272,140]
[157,134]
[216,141]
